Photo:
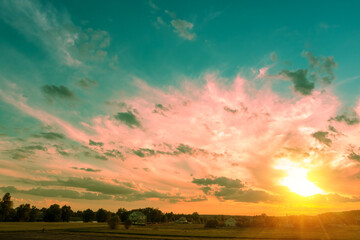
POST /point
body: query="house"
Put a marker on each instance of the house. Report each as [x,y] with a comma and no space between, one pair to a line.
[230,222]
[137,218]
[182,220]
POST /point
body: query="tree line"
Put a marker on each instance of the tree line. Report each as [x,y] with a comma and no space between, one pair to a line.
[57,213]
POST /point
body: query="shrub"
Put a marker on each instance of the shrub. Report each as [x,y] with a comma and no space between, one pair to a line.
[114,221]
[211,224]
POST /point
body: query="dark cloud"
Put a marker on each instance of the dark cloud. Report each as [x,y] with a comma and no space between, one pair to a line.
[118,104]
[144,152]
[161,107]
[35,147]
[206,190]
[304,80]
[313,60]
[300,80]
[101,157]
[322,137]
[123,191]
[87,169]
[328,64]
[140,196]
[50,135]
[232,189]
[333,129]
[87,83]
[221,181]
[114,153]
[92,143]
[323,68]
[173,151]
[94,154]
[53,92]
[349,117]
[182,148]
[230,110]
[57,193]
[24,152]
[128,118]
[354,156]
[60,150]
[245,195]
[196,199]
[88,184]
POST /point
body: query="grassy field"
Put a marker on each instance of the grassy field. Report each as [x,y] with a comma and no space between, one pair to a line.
[97,231]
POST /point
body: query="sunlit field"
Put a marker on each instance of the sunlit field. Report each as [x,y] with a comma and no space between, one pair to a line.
[167,231]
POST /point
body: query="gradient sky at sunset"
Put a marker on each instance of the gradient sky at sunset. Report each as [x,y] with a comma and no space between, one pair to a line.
[219,107]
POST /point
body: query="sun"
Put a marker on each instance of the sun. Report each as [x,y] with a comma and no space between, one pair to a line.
[298,183]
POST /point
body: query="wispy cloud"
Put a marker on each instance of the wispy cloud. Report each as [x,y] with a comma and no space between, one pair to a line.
[87,83]
[42,24]
[182,27]
[55,32]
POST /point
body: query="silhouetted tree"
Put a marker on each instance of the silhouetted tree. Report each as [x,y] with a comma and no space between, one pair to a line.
[66,213]
[53,213]
[77,216]
[153,215]
[170,216]
[5,208]
[35,214]
[88,215]
[195,217]
[102,215]
[23,213]
[123,214]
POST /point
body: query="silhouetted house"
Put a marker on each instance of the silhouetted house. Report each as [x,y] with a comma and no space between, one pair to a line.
[137,218]
[230,222]
[182,220]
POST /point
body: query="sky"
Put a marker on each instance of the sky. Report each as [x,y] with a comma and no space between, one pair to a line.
[235,107]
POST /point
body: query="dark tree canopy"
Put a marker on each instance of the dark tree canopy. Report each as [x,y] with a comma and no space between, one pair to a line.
[66,213]
[5,207]
[123,214]
[88,215]
[23,213]
[53,213]
[102,215]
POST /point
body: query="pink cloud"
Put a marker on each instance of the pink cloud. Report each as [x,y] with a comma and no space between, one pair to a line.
[246,126]
[167,137]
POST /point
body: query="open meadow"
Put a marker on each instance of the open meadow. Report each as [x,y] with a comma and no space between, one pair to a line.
[65,231]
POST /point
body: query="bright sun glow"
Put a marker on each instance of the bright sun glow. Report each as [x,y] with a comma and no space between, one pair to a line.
[298,183]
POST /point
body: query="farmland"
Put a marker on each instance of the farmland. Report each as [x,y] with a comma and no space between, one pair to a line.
[65,231]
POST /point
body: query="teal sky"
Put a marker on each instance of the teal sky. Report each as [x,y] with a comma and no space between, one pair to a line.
[86,69]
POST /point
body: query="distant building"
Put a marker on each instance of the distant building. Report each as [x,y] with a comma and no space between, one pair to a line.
[230,222]
[182,220]
[137,218]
